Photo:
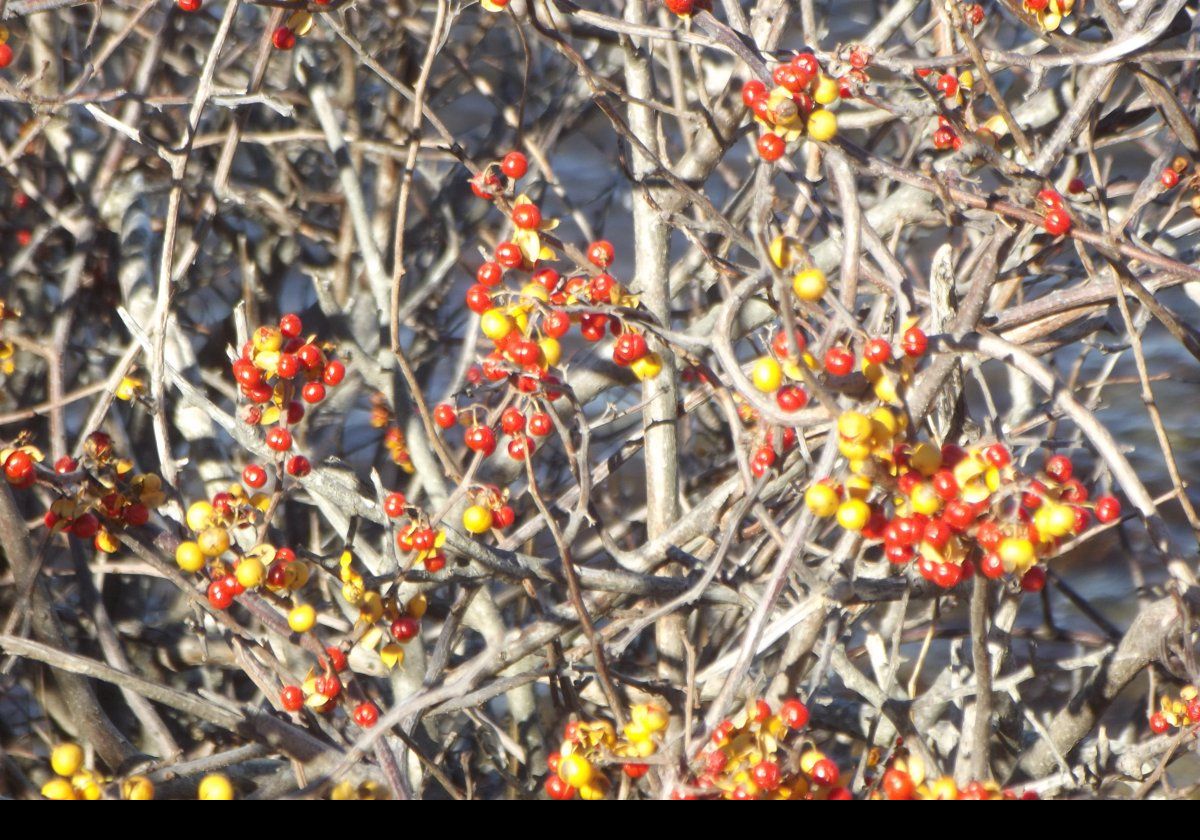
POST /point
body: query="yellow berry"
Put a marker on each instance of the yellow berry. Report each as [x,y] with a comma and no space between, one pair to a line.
[925,499]
[575,770]
[189,557]
[267,339]
[66,759]
[301,618]
[213,542]
[822,500]
[535,291]
[1016,553]
[417,606]
[822,125]
[495,324]
[767,374]
[810,284]
[215,786]
[59,790]
[477,519]
[926,458]
[250,572]
[85,786]
[853,514]
[199,515]
[854,426]
[826,91]
[137,788]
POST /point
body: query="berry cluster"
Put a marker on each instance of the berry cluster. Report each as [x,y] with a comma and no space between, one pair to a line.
[1049,13]
[275,367]
[760,754]
[952,510]
[377,611]
[72,781]
[1179,711]
[576,769]
[904,778]
[794,108]
[99,495]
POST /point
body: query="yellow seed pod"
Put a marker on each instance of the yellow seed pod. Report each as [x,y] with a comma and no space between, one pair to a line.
[943,788]
[535,291]
[137,788]
[417,606]
[551,350]
[595,789]
[810,284]
[647,367]
[854,426]
[785,251]
[822,125]
[59,790]
[267,339]
[925,458]
[371,608]
[199,515]
[495,324]
[885,390]
[3,40]
[859,487]
[809,759]
[826,92]
[295,575]
[213,541]
[822,500]
[250,573]
[189,557]
[215,786]
[854,451]
[66,759]
[301,618]
[86,787]
[654,718]
[635,731]
[353,592]
[884,422]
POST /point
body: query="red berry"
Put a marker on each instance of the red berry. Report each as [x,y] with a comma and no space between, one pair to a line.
[878,351]
[1057,221]
[512,421]
[997,455]
[334,373]
[292,698]
[481,439]
[328,685]
[1076,186]
[337,659]
[1034,580]
[992,566]
[839,361]
[556,323]
[601,253]
[18,468]
[66,464]
[405,628]
[445,415]
[680,7]
[86,526]
[527,216]
[825,773]
[1108,509]
[752,91]
[1168,178]
[771,147]
[287,366]
[310,356]
[766,775]
[1158,723]
[298,466]
[509,255]
[520,448]
[189,6]
[366,714]
[514,165]
[220,596]
[313,392]
[791,398]
[290,325]
[279,439]
[489,274]
[478,300]
[897,785]
[540,424]
[794,714]
[559,790]
[947,85]
[394,504]
[1059,468]
[283,38]
[915,342]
